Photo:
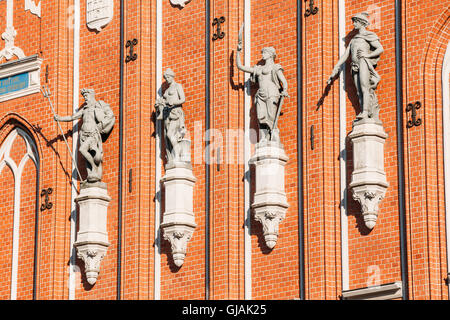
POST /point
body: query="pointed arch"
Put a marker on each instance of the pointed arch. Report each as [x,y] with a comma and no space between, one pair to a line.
[434,127]
[17,169]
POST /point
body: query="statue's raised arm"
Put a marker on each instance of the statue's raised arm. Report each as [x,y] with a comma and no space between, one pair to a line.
[238,54]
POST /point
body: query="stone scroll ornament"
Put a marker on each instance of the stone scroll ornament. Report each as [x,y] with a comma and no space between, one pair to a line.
[270,202]
[178,220]
[369,183]
[9,35]
[92,237]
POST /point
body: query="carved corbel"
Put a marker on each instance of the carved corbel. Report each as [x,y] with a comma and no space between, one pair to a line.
[92,256]
[369,199]
[180,3]
[270,221]
[178,236]
[369,183]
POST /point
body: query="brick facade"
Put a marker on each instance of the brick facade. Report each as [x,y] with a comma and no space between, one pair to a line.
[374,257]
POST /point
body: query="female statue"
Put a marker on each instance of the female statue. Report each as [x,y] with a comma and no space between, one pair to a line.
[272,90]
[169,109]
[365,50]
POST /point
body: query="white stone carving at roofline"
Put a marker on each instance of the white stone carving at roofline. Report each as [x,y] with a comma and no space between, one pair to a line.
[9,35]
[180,3]
[99,13]
[33,7]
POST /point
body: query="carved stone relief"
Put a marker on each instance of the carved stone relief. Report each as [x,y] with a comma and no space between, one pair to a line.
[99,13]
[33,7]
[180,3]
[9,35]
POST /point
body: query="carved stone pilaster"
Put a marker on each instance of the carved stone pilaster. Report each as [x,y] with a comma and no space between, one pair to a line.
[92,237]
[270,202]
[369,183]
[178,220]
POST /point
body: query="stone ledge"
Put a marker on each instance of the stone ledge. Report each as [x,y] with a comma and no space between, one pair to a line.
[32,65]
[383,292]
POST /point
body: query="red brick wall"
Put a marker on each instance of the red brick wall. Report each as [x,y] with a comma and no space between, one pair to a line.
[183,38]
[6,230]
[275,274]
[426,39]
[99,70]
[321,164]
[377,253]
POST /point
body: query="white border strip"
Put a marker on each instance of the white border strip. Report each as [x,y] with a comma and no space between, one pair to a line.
[247,150]
[446,132]
[157,266]
[343,153]
[76,89]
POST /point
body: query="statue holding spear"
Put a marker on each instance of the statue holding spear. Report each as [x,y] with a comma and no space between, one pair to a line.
[271,92]
[98,121]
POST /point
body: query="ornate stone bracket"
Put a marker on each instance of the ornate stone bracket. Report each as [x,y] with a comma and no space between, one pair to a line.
[92,237]
[92,256]
[178,220]
[369,183]
[178,235]
[369,197]
[270,204]
[270,221]
[180,3]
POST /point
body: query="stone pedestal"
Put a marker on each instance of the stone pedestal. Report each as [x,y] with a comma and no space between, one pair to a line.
[369,183]
[270,203]
[178,220]
[92,237]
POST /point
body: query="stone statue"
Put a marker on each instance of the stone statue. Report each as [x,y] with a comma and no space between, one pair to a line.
[271,93]
[169,109]
[98,121]
[365,50]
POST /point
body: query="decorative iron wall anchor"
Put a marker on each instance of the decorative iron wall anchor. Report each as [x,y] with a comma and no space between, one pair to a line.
[130,181]
[132,56]
[415,121]
[312,9]
[219,33]
[312,137]
[47,205]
